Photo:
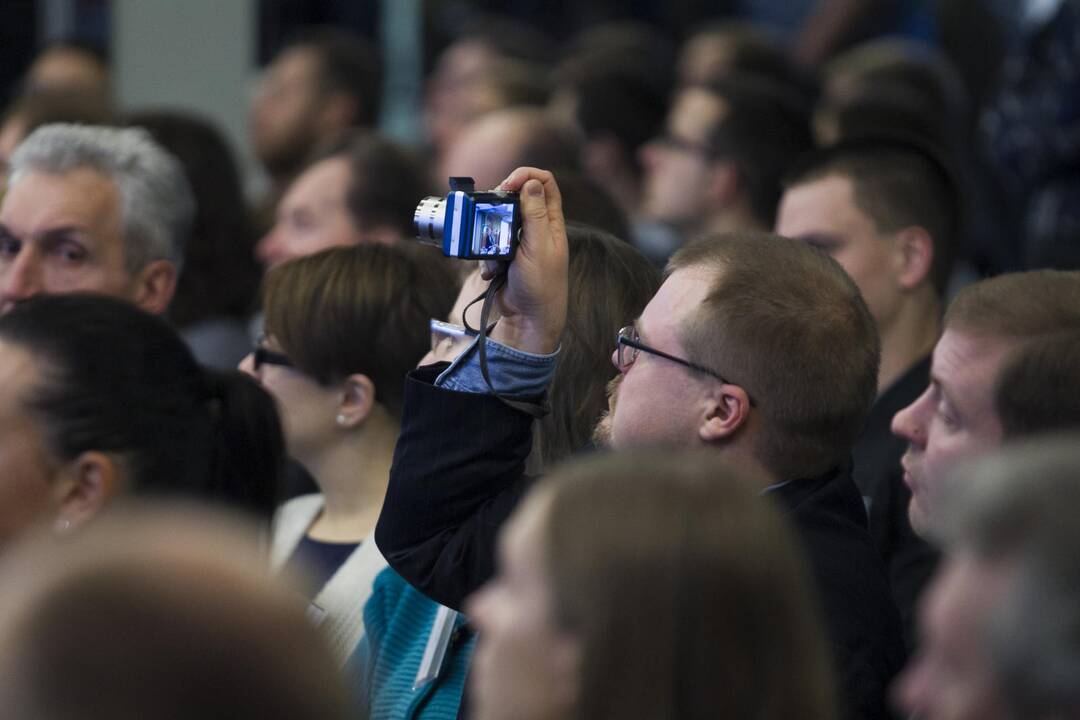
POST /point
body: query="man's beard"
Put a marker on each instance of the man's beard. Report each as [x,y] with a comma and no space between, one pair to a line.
[602,432]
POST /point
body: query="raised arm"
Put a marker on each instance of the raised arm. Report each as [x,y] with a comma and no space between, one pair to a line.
[459,463]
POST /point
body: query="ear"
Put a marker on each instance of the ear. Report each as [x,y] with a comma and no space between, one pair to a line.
[154,286]
[727,408]
[723,183]
[84,486]
[357,401]
[914,256]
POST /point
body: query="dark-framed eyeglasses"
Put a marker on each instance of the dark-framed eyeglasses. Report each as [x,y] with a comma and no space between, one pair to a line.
[261,355]
[629,345]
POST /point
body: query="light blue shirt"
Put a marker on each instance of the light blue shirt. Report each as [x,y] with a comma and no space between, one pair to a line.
[514,373]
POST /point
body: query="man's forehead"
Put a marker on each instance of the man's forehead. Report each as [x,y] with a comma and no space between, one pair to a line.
[969,359]
[81,190]
[678,297]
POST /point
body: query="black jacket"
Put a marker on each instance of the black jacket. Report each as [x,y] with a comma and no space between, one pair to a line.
[458,473]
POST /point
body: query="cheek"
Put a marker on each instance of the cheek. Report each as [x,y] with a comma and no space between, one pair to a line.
[25,488]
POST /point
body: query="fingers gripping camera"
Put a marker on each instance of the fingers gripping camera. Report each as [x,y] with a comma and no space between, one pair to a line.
[468,224]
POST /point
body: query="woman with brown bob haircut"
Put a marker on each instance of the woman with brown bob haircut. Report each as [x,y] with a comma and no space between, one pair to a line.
[649,586]
[342,329]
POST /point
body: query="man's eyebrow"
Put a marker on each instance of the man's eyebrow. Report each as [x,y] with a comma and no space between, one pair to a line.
[63,230]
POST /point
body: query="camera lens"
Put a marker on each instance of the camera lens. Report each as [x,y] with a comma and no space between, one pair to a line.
[428,219]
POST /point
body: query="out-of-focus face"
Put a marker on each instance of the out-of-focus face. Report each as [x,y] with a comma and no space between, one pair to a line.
[65,70]
[823,213]
[312,216]
[486,150]
[677,166]
[60,234]
[954,418]
[951,678]
[27,468]
[284,110]
[659,402]
[525,667]
[307,409]
[456,94]
[707,57]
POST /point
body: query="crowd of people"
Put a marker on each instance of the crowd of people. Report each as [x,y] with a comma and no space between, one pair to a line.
[774,412]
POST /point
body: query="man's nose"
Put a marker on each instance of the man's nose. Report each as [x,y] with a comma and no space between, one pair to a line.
[247,366]
[910,424]
[266,250]
[22,279]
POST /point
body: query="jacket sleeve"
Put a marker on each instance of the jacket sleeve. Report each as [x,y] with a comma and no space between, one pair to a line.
[458,474]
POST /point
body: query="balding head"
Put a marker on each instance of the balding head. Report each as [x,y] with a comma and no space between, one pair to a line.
[157,613]
[489,148]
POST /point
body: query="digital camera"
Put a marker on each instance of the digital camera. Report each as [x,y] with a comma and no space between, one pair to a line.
[468,224]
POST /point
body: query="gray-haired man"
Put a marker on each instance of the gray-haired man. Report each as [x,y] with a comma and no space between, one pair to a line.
[93,209]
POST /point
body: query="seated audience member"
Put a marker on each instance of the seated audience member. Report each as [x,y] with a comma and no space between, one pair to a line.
[31,110]
[93,209]
[1037,390]
[215,294]
[71,68]
[130,623]
[885,210]
[616,110]
[611,281]
[362,190]
[316,88]
[653,587]
[1001,625]
[895,85]
[731,47]
[343,327]
[494,62]
[718,166]
[100,399]
[986,324]
[489,148]
[756,347]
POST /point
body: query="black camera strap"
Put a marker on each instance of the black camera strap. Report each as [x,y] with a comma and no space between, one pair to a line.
[537,410]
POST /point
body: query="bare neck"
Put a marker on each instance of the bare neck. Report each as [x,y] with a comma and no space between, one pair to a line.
[353,475]
[909,337]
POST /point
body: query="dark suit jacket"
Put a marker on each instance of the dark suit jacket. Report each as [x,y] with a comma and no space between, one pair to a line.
[459,472]
[909,560]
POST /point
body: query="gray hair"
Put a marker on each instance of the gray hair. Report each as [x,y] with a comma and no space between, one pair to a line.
[1022,505]
[156,203]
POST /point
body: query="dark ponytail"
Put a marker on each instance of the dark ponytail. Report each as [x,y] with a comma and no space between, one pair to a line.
[247,450]
[117,380]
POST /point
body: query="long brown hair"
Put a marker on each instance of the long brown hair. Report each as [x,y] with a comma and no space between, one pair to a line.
[610,283]
[686,590]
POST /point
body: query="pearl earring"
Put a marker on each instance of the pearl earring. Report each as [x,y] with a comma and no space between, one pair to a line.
[342,420]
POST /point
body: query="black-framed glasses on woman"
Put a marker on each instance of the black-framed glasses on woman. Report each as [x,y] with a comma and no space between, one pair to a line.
[629,345]
[261,355]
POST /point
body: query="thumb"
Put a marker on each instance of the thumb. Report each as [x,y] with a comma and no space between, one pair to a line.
[534,211]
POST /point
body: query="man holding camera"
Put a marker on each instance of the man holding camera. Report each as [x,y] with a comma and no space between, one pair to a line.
[756,348]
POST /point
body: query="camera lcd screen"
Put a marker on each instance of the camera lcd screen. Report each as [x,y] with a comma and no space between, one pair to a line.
[493,229]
